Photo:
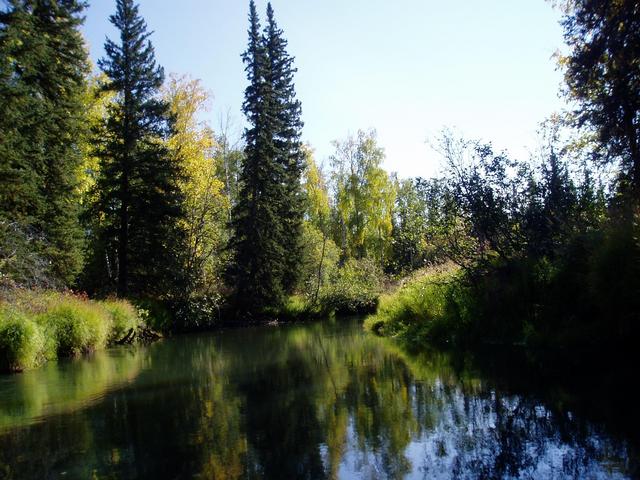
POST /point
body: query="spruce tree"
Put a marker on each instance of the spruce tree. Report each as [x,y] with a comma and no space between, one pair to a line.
[290,154]
[43,66]
[257,225]
[268,215]
[140,202]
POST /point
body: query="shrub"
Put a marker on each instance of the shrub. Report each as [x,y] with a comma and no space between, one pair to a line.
[189,314]
[320,259]
[40,325]
[22,343]
[157,314]
[299,308]
[353,289]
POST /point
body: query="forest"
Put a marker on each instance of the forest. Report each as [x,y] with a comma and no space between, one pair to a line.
[123,214]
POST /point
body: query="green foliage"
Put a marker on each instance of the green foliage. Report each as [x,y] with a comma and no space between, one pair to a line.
[320,258]
[22,342]
[138,243]
[205,205]
[36,326]
[42,119]
[22,261]
[422,309]
[157,313]
[423,222]
[354,288]
[365,197]
[318,208]
[540,266]
[194,313]
[286,110]
[267,219]
[603,79]
[299,308]
[76,325]
[123,318]
[615,279]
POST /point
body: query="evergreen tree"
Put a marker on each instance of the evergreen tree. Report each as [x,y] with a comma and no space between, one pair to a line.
[43,66]
[290,153]
[257,225]
[268,214]
[140,201]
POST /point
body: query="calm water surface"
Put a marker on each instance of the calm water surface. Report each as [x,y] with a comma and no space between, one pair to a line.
[322,400]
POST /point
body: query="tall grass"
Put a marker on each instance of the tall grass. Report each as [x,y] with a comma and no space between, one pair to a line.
[423,308]
[40,326]
[22,342]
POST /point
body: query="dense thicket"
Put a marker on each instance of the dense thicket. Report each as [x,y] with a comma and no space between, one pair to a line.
[547,250]
[43,68]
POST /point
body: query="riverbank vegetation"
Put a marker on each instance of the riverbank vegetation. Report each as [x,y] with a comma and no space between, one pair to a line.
[39,326]
[111,184]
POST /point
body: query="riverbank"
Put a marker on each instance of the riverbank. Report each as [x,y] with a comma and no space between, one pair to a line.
[38,326]
[573,304]
[420,309]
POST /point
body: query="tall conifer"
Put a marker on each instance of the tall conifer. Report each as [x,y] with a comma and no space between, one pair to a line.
[257,228]
[290,155]
[43,66]
[139,196]
[268,216]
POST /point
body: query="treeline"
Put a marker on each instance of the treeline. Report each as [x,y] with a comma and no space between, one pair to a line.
[546,251]
[111,184]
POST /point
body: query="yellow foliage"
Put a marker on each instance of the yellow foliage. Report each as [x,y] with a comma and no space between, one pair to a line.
[192,144]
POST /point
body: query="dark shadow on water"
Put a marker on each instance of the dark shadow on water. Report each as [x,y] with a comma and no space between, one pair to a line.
[321,400]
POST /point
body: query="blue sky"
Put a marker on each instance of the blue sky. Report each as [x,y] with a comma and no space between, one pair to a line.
[407,68]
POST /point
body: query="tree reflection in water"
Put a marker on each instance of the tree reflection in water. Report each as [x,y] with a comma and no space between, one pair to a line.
[322,400]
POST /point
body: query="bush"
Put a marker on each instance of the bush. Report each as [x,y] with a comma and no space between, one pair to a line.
[22,343]
[353,289]
[40,325]
[585,297]
[157,314]
[320,259]
[298,308]
[189,314]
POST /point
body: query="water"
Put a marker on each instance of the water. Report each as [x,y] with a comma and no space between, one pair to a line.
[322,400]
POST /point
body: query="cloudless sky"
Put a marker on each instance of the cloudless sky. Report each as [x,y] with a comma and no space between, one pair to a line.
[407,68]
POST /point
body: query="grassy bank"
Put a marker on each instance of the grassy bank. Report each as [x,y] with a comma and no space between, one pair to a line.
[424,308]
[37,326]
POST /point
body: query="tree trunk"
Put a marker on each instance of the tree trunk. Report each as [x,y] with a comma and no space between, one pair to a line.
[324,243]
